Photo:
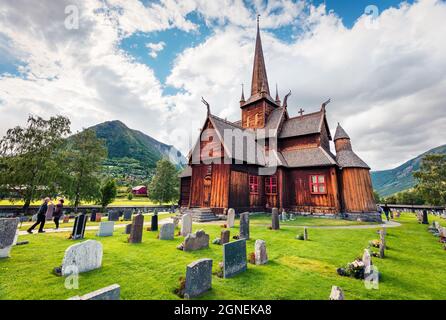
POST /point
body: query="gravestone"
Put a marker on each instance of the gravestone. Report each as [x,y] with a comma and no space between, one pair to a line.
[167,231]
[225,236]
[425,217]
[128,215]
[186,224]
[79,227]
[34,218]
[244,226]
[128,229]
[82,257]
[234,258]
[382,237]
[367,260]
[336,293]
[291,217]
[113,215]
[261,256]
[66,219]
[196,241]
[106,229]
[93,216]
[275,219]
[154,223]
[112,292]
[284,216]
[198,278]
[136,229]
[231,218]
[305,233]
[8,232]
[98,217]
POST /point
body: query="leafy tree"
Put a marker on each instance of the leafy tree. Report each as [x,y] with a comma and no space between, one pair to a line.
[164,187]
[376,196]
[109,190]
[130,196]
[431,179]
[28,165]
[82,158]
[412,197]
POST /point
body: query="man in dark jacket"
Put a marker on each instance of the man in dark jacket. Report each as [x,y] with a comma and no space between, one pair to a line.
[41,218]
[386,210]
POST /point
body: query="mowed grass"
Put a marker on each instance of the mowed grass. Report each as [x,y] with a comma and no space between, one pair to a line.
[413,267]
[264,219]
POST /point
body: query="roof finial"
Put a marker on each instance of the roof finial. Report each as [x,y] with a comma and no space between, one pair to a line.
[277,95]
[258,21]
[285,100]
[242,99]
[207,105]
[325,104]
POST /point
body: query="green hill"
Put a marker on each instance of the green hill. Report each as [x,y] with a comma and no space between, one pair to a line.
[388,182]
[132,155]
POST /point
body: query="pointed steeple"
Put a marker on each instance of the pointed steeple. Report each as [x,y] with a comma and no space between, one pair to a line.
[259,77]
[277,95]
[242,99]
[340,133]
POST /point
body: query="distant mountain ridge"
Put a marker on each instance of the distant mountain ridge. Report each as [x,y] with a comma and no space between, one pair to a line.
[123,142]
[388,182]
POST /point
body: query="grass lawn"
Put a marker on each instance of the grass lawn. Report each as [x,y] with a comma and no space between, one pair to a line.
[263,219]
[136,201]
[413,267]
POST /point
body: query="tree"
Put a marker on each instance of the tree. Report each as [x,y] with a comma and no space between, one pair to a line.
[164,186]
[412,197]
[376,196]
[431,179]
[109,190]
[83,156]
[130,196]
[28,166]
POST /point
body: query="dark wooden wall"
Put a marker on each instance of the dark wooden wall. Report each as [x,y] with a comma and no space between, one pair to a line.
[185,191]
[262,109]
[357,190]
[210,190]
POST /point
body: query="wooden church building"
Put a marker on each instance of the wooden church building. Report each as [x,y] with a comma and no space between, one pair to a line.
[293,168]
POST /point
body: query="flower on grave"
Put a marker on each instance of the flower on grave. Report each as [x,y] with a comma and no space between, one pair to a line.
[224,226]
[252,258]
[300,237]
[217,241]
[236,237]
[182,285]
[353,269]
[270,228]
[374,243]
[219,272]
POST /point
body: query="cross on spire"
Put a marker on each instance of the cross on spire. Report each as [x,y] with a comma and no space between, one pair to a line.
[301,112]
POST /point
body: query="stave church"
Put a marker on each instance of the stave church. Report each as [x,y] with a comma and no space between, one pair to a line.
[282,162]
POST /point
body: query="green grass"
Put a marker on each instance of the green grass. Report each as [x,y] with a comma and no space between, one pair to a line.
[264,219]
[136,201]
[413,267]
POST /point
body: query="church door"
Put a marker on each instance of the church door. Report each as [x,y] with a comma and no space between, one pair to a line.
[207,184]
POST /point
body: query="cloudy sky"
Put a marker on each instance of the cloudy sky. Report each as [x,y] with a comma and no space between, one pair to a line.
[147,63]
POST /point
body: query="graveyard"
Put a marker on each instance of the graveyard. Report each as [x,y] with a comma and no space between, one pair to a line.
[294,269]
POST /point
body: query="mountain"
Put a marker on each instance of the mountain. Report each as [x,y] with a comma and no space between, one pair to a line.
[388,182]
[123,142]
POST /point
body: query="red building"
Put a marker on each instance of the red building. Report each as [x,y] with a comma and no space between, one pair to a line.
[284,162]
[140,191]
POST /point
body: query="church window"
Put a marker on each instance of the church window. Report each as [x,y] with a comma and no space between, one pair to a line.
[271,185]
[318,184]
[253,184]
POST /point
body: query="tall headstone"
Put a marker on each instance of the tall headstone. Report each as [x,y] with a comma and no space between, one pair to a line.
[336,293]
[275,219]
[231,218]
[93,215]
[196,241]
[425,217]
[382,237]
[82,257]
[136,229]
[244,226]
[8,231]
[186,224]
[127,215]
[198,278]
[224,236]
[305,233]
[79,227]
[167,231]
[112,292]
[234,258]
[106,229]
[284,216]
[367,260]
[261,256]
[154,223]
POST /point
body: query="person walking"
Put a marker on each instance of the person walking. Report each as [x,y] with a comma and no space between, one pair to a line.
[58,212]
[41,217]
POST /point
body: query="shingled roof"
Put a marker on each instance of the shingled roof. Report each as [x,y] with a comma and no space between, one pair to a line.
[308,158]
[302,125]
[349,159]
[340,133]
[187,172]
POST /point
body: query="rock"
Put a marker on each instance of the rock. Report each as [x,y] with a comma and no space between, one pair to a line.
[186,224]
[112,292]
[82,257]
[336,293]
[106,229]
[261,256]
[231,218]
[196,241]
[167,231]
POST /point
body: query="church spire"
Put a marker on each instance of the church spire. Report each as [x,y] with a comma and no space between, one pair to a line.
[259,76]
[242,99]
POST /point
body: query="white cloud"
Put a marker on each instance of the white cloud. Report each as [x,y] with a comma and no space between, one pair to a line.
[387,84]
[155,48]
